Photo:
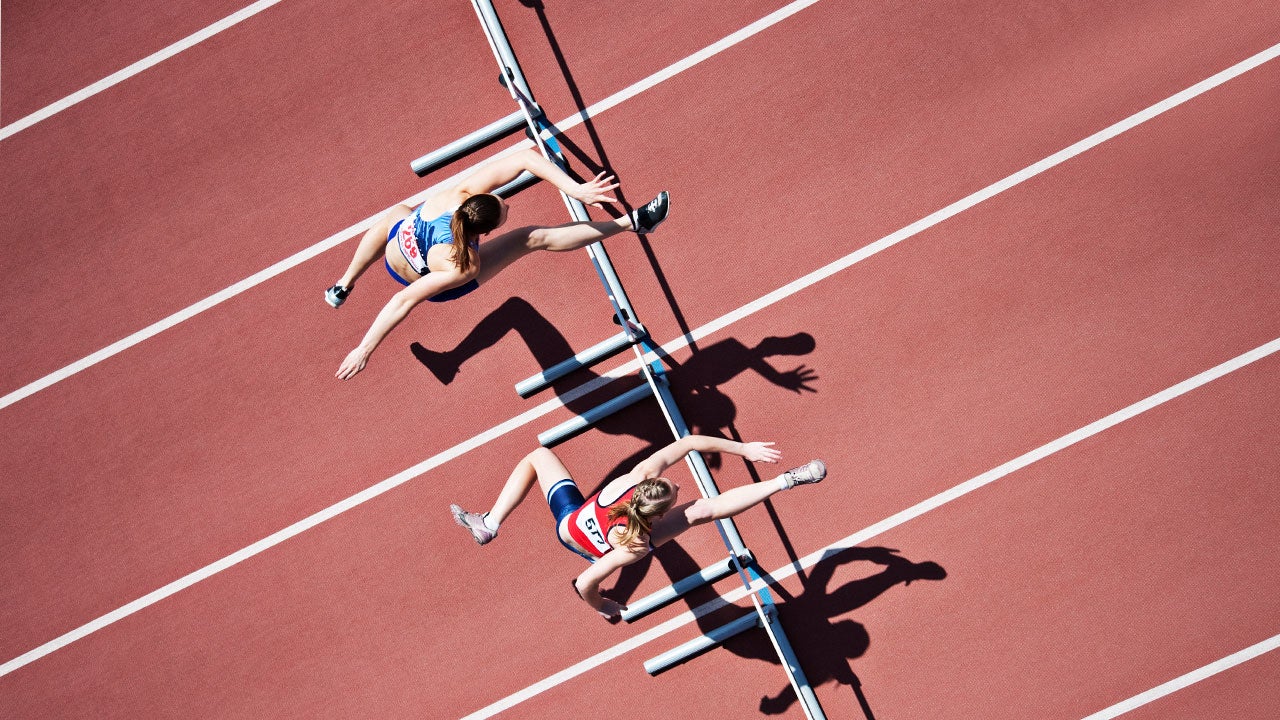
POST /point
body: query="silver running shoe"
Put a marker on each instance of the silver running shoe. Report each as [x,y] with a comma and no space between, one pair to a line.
[811,472]
[336,295]
[473,522]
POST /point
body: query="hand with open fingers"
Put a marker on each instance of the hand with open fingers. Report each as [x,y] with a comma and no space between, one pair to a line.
[354,363]
[760,452]
[596,190]
[611,611]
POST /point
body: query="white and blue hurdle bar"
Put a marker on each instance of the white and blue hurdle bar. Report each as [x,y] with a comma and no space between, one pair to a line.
[532,120]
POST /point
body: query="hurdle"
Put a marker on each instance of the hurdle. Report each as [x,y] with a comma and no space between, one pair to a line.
[653,373]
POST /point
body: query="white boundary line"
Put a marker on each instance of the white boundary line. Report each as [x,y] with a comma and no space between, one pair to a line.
[334,240]
[705,330]
[120,76]
[1189,679]
[613,100]
[885,525]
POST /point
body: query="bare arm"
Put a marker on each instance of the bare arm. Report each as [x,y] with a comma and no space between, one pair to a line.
[493,175]
[657,463]
[588,583]
[397,309]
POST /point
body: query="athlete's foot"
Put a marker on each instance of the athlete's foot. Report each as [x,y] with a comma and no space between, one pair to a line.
[811,472]
[473,522]
[337,295]
[440,364]
[647,219]
[927,570]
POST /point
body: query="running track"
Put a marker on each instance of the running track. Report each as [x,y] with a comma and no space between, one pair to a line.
[1093,574]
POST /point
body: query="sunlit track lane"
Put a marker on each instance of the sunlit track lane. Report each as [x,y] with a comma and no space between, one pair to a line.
[1139,555]
[236,428]
[797,169]
[53,49]
[891,323]
[1245,692]
[945,375]
[262,141]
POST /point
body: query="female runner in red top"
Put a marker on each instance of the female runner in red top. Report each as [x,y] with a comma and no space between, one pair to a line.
[632,514]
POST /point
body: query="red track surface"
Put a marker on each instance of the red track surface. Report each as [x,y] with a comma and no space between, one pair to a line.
[1089,577]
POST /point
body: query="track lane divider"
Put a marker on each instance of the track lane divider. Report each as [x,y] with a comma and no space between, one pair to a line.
[888,524]
[120,76]
[358,229]
[1189,679]
[959,206]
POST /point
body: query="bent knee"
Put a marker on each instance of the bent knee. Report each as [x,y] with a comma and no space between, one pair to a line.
[541,454]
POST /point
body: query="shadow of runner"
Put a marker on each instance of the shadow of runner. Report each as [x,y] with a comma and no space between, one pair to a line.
[695,384]
[824,643]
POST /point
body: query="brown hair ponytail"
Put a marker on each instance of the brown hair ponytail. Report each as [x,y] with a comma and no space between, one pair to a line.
[652,497]
[476,216]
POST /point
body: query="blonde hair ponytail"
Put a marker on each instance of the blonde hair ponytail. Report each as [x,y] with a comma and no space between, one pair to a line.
[651,498]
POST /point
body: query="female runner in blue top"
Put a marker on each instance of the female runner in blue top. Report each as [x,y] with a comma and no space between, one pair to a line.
[421,250]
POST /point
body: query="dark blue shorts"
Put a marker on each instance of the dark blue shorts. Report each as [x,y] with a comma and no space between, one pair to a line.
[564,498]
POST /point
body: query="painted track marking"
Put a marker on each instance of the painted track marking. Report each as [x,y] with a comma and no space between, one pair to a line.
[885,525]
[338,238]
[711,327]
[1188,679]
[145,63]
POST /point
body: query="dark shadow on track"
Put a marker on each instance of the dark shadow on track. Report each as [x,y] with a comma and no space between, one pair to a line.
[592,164]
[824,644]
[694,384]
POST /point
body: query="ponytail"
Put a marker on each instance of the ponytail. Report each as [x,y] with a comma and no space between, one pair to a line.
[650,498]
[476,216]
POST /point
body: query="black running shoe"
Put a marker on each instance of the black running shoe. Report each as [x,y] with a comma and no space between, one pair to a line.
[336,295]
[648,218]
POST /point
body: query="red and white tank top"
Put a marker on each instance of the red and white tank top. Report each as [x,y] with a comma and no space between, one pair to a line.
[589,525]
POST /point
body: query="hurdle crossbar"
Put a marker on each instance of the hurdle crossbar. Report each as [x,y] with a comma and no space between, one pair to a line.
[577,424]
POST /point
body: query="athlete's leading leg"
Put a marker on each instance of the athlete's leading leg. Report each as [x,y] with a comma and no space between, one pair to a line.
[501,251]
[731,502]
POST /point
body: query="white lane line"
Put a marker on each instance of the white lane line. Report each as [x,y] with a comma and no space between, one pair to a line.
[883,526]
[937,217]
[336,239]
[122,75]
[1190,678]
[698,333]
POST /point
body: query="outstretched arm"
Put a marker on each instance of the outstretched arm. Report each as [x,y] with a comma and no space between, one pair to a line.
[588,583]
[657,463]
[493,175]
[397,309]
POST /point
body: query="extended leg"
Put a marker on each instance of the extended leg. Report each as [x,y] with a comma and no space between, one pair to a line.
[541,466]
[372,245]
[501,251]
[732,502]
